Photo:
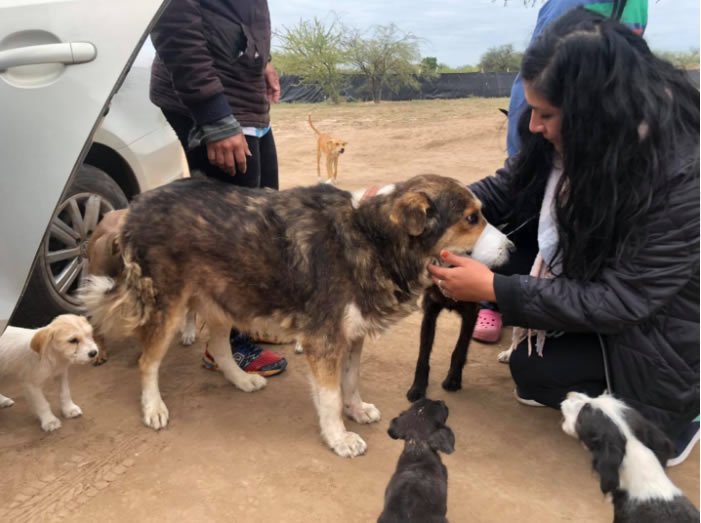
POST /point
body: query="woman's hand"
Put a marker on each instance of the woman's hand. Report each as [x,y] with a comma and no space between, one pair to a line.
[468,280]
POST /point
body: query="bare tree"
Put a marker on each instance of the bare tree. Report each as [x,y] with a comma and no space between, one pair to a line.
[500,59]
[314,52]
[387,59]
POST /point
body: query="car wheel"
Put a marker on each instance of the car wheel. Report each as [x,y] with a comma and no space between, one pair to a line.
[62,259]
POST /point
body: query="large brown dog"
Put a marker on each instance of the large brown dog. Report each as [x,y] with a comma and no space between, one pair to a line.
[332,149]
[313,264]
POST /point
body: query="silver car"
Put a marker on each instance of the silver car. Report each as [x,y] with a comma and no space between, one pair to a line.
[79,137]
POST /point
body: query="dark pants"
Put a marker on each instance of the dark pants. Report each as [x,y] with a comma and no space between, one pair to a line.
[261,171]
[571,362]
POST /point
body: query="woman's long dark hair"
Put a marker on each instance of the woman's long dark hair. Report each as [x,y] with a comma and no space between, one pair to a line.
[625,116]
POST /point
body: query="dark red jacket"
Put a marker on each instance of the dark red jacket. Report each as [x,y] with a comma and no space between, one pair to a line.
[211,56]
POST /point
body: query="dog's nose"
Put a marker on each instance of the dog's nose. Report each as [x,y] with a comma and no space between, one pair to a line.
[92,353]
[342,150]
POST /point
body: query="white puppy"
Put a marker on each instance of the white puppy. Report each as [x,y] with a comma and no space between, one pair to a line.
[34,356]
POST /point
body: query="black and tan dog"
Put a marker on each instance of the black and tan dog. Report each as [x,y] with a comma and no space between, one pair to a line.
[332,148]
[418,490]
[314,264]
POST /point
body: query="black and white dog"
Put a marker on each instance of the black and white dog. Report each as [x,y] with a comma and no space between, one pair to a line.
[418,490]
[629,454]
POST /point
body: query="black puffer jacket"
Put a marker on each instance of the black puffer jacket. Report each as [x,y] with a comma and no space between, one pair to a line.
[211,56]
[646,308]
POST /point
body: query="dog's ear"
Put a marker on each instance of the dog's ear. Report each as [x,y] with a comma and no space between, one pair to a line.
[605,441]
[411,211]
[443,439]
[395,431]
[40,340]
[650,435]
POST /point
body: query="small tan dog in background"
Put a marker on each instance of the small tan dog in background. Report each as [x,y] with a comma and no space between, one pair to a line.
[34,356]
[332,149]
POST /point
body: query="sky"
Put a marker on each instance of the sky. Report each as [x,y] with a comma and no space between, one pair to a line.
[458,32]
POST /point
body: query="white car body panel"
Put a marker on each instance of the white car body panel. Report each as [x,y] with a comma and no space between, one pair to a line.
[38,158]
[141,135]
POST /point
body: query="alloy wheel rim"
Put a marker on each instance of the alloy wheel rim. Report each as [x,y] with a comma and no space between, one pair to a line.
[66,244]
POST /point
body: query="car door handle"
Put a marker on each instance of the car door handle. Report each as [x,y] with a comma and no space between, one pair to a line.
[64,53]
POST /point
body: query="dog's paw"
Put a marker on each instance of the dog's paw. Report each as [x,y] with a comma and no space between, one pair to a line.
[504,356]
[298,348]
[349,445]
[50,424]
[71,411]
[156,414]
[452,384]
[189,337]
[6,402]
[416,393]
[363,413]
[251,382]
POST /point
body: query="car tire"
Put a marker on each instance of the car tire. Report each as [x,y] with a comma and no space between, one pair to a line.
[62,258]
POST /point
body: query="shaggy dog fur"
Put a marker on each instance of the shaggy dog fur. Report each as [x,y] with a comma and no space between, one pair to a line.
[36,356]
[629,453]
[312,263]
[418,490]
[105,259]
[332,148]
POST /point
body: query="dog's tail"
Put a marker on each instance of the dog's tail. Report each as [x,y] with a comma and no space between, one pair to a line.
[119,307]
[309,119]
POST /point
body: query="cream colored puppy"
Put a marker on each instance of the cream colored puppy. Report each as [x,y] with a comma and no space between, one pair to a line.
[34,356]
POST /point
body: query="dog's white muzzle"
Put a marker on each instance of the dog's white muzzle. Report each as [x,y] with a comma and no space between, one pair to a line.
[492,247]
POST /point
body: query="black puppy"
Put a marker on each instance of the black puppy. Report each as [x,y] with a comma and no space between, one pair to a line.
[433,303]
[418,489]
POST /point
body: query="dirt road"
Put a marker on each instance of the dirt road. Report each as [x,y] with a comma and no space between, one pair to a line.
[232,456]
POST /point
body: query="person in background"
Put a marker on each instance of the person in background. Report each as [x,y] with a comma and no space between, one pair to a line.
[213,80]
[633,14]
[609,165]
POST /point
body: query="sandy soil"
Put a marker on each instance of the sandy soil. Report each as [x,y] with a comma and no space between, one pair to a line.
[232,456]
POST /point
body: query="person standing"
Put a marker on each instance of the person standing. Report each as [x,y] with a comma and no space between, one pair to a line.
[213,81]
[631,13]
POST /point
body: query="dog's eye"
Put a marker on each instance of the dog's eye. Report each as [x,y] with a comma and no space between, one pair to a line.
[73,340]
[472,219]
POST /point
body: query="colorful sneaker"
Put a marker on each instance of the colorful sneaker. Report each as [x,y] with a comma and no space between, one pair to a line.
[685,443]
[250,357]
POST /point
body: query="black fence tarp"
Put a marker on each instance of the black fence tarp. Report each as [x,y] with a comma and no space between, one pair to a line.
[451,85]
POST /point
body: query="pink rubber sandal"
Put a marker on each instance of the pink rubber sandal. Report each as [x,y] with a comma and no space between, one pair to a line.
[488,326]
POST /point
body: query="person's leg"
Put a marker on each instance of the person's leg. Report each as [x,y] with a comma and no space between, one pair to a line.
[268,162]
[571,362]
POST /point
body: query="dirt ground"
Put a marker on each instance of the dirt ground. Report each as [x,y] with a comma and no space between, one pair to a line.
[232,456]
